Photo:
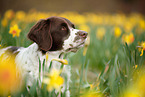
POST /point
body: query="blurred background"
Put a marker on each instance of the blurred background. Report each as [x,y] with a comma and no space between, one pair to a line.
[112,61]
[111,6]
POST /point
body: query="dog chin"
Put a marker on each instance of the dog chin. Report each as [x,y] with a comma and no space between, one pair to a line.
[76,48]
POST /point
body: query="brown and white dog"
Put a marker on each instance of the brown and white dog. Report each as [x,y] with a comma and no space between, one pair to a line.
[54,35]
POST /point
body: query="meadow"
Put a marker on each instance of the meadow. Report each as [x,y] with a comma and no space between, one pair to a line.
[111,64]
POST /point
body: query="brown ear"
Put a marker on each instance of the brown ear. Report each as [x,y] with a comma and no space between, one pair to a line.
[40,33]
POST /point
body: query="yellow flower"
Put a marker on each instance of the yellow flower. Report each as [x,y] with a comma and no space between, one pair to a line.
[141,52]
[142,48]
[9,14]
[13,22]
[128,38]
[91,86]
[9,75]
[53,80]
[140,83]
[142,24]
[84,27]
[137,88]
[4,22]
[131,94]
[20,15]
[63,61]
[91,94]
[100,33]
[128,26]
[135,66]
[46,56]
[15,31]
[79,19]
[117,31]
[143,45]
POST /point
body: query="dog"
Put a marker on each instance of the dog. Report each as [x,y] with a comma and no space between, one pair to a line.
[55,36]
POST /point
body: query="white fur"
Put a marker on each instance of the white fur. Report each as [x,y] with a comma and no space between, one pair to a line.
[70,40]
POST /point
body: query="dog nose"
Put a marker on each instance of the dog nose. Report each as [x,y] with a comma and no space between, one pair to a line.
[83,34]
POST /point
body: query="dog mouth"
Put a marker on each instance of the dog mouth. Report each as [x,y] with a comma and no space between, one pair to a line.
[74,49]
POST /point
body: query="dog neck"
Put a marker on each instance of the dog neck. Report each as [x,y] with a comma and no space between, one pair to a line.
[51,54]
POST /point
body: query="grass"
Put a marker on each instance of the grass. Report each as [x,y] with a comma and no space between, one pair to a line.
[109,67]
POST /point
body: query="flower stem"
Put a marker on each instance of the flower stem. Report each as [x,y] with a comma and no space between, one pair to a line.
[17,41]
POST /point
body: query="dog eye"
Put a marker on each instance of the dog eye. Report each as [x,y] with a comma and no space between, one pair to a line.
[63,28]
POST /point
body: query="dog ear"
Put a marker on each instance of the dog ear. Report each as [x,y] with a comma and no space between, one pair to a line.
[40,33]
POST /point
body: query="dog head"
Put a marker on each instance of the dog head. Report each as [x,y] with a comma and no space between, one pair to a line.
[57,33]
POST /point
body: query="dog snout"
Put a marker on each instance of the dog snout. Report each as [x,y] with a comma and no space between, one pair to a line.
[83,34]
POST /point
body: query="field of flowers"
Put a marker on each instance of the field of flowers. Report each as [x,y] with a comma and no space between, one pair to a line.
[111,64]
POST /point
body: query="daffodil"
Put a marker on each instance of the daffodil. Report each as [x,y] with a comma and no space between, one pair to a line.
[140,83]
[4,22]
[142,47]
[128,26]
[141,52]
[9,75]
[100,33]
[20,15]
[137,88]
[13,22]
[79,19]
[15,31]
[53,80]
[46,56]
[9,14]
[91,86]
[128,38]
[142,23]
[135,66]
[117,31]
[84,27]
[131,94]
[91,93]
[63,61]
